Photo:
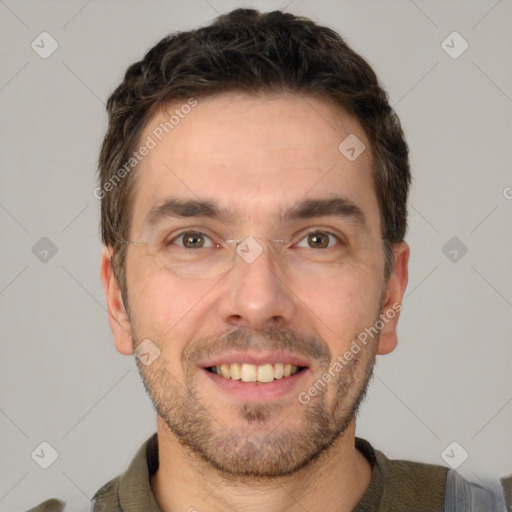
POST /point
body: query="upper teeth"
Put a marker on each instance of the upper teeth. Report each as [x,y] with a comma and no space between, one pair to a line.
[252,373]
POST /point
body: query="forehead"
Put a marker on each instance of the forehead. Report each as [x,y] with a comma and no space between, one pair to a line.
[251,154]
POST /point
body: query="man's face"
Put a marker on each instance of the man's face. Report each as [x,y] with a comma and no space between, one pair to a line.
[301,302]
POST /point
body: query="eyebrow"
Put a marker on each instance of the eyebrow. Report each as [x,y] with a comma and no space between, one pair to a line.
[175,207]
[337,206]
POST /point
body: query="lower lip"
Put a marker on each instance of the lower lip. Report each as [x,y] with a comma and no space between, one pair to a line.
[253,392]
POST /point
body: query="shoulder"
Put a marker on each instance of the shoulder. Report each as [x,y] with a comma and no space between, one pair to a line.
[404,476]
[131,485]
[51,505]
[461,494]
[395,484]
[105,500]
[422,481]
[107,497]
[430,486]
[411,481]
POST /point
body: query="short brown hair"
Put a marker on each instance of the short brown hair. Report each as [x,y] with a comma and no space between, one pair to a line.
[252,52]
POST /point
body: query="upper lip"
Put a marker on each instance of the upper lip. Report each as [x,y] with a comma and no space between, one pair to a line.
[257,358]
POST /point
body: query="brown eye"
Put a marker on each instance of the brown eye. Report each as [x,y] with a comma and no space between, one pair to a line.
[319,240]
[192,240]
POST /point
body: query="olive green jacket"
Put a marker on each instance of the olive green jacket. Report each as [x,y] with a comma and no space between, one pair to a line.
[396,486]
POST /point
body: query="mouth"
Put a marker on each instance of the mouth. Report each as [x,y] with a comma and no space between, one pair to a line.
[255,376]
[261,374]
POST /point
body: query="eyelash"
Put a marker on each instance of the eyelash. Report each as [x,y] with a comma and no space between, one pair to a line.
[188,232]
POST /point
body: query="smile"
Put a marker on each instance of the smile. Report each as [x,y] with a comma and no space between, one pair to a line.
[247,372]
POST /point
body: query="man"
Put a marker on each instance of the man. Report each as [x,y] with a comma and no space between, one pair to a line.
[254,183]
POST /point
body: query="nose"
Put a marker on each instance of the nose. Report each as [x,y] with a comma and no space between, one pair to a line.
[256,293]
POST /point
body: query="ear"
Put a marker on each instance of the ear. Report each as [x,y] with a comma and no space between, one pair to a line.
[395,289]
[117,315]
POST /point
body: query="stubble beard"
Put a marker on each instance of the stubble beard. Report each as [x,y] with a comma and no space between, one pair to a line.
[265,447]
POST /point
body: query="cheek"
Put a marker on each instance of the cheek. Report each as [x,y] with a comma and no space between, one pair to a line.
[344,300]
[162,304]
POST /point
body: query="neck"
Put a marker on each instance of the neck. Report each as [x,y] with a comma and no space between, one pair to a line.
[335,481]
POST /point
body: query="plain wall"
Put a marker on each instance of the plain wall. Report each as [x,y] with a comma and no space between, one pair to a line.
[61,379]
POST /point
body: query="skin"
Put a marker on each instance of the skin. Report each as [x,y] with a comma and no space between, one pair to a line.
[216,450]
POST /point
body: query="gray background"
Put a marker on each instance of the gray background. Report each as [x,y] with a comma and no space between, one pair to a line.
[61,379]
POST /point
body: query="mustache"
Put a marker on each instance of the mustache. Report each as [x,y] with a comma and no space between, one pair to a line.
[243,338]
